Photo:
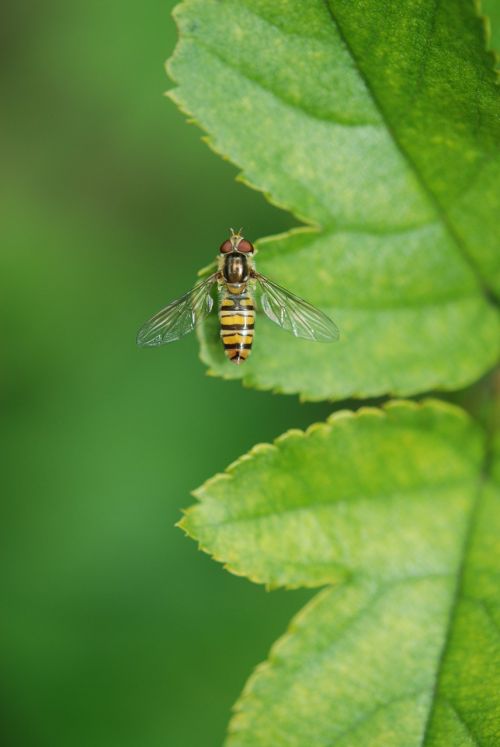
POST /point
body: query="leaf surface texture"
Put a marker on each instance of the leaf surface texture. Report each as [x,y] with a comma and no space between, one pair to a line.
[393,510]
[377,125]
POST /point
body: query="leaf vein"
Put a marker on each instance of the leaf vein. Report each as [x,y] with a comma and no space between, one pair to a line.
[464,723]
[457,594]
[270,512]
[431,196]
[302,108]
[369,715]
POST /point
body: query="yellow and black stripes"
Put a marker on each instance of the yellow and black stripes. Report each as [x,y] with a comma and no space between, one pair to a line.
[237,322]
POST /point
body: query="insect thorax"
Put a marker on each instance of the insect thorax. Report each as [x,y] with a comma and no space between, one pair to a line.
[235,268]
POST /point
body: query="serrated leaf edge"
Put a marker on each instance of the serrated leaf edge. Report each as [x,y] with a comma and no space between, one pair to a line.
[382,412]
[248,380]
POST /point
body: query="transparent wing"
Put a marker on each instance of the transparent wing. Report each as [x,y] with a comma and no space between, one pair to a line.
[179,317]
[294,314]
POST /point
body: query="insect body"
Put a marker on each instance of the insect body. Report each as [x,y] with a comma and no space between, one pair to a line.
[237,280]
[237,323]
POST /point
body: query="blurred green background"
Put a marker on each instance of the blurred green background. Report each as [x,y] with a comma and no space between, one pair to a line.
[115,629]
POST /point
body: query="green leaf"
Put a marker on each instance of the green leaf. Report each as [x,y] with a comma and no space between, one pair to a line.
[393,507]
[491,10]
[376,123]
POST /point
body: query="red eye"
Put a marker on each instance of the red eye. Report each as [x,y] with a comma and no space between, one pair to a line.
[226,247]
[245,246]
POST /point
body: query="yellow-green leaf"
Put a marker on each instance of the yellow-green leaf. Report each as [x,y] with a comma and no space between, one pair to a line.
[377,124]
[394,508]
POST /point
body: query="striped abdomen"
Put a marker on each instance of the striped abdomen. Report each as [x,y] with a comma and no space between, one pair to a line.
[237,320]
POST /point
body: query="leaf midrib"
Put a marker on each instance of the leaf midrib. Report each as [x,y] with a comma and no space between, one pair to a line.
[457,596]
[432,197]
[437,487]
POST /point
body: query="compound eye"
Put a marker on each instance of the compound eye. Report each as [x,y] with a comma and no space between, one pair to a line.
[245,246]
[226,247]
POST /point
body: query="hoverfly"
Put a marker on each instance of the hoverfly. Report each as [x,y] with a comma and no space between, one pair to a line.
[237,280]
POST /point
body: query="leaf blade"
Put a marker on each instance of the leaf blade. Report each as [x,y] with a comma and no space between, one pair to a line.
[406,644]
[378,692]
[308,496]
[289,85]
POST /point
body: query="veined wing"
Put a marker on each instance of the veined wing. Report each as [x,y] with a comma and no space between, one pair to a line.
[179,317]
[294,314]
